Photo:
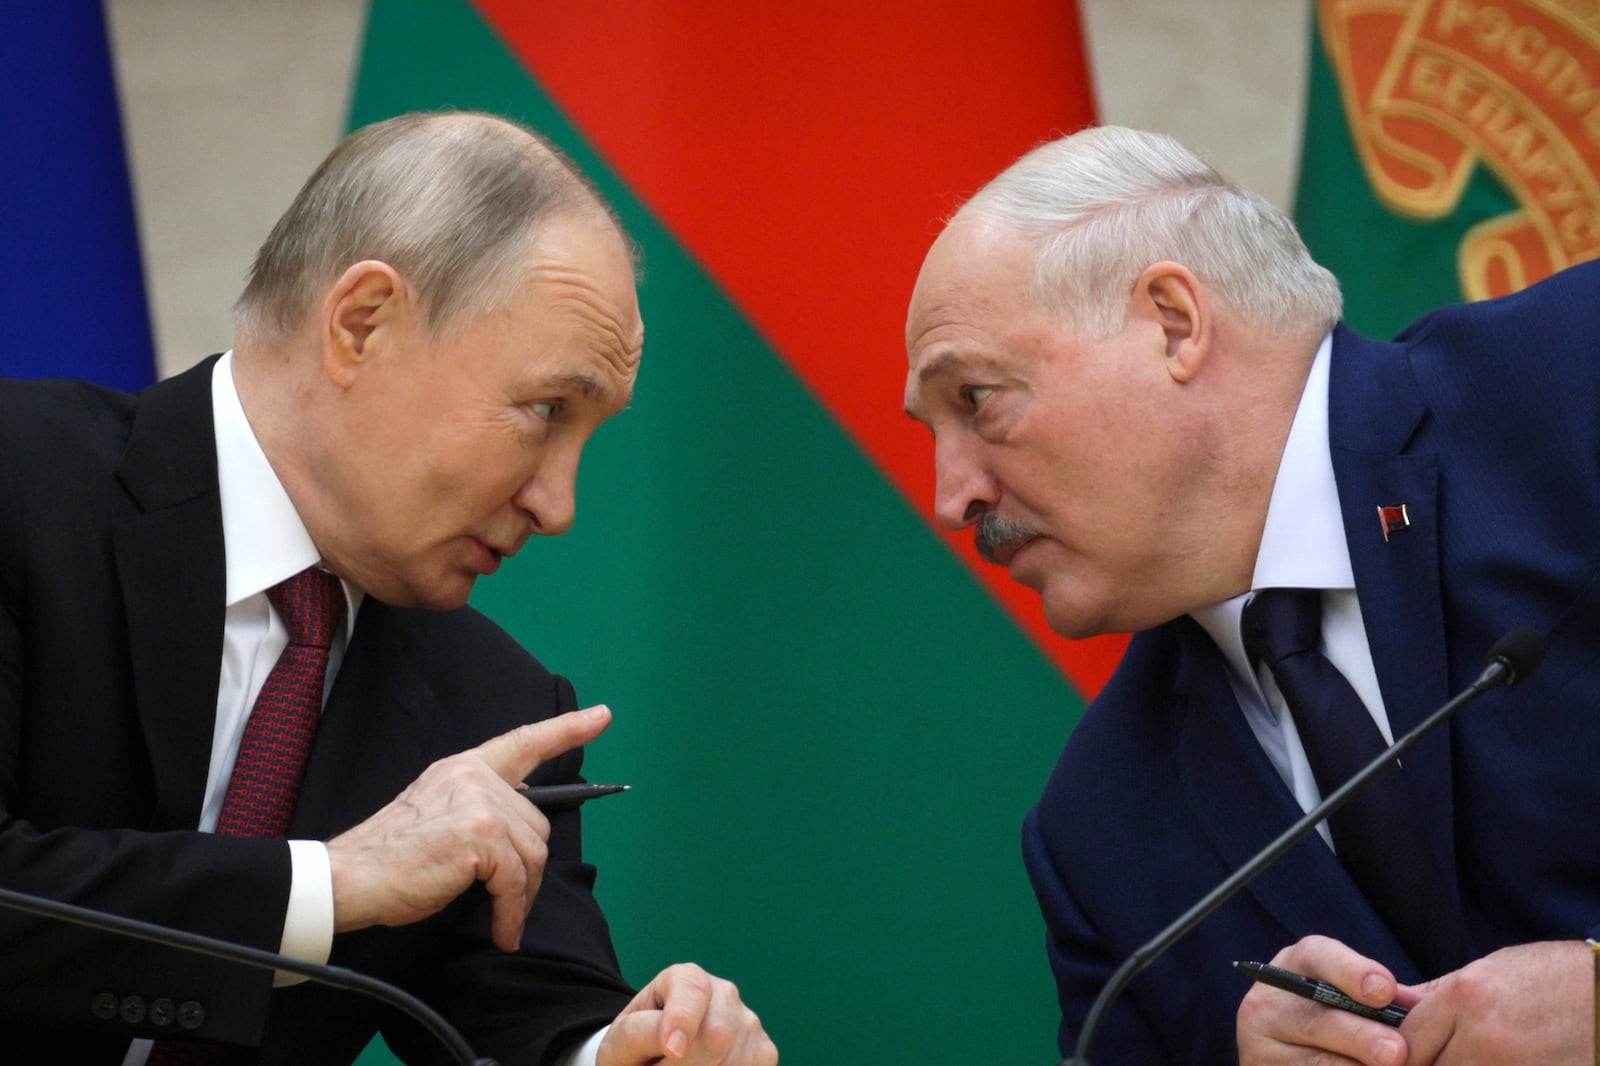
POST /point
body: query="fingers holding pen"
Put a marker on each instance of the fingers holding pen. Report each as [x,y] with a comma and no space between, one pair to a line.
[1275,1026]
[461,821]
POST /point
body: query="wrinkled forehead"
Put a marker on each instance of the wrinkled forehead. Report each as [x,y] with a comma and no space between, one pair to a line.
[974,270]
[583,271]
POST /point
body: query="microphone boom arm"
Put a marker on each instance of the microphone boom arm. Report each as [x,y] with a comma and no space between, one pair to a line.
[1503,669]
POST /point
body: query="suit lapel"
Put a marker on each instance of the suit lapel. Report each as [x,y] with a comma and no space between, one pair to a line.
[172,572]
[1374,413]
[1241,804]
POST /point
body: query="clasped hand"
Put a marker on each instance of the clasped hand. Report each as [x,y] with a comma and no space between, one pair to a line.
[1529,1005]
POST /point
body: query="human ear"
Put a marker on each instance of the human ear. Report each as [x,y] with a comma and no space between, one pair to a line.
[1172,296]
[363,308]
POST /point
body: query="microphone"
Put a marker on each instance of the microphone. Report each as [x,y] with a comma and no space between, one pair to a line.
[1513,657]
[333,976]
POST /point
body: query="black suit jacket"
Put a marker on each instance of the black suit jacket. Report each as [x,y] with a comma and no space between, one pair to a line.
[111,615]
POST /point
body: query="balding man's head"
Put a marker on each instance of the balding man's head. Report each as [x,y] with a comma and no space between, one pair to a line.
[451,201]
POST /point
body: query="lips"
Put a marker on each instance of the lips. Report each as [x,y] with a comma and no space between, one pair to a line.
[1011,550]
[488,556]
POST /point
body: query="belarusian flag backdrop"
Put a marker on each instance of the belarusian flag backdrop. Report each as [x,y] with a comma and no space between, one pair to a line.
[833,717]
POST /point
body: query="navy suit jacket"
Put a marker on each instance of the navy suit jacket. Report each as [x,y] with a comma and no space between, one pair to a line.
[1484,420]
[111,614]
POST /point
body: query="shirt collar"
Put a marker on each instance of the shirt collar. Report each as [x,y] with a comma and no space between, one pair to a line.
[1303,543]
[264,539]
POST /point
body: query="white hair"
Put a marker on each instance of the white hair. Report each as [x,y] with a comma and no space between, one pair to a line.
[451,201]
[1106,202]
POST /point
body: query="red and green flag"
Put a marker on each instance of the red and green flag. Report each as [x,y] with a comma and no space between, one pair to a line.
[833,715]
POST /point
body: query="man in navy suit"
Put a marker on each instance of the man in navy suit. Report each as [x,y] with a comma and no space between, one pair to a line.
[428,339]
[1142,401]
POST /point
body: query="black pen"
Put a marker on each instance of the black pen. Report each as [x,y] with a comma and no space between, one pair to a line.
[553,799]
[1319,992]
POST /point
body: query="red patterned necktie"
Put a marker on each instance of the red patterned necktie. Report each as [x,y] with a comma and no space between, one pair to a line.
[272,755]
[277,740]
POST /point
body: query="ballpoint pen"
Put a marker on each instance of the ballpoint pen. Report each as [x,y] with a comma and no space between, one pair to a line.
[552,799]
[1319,992]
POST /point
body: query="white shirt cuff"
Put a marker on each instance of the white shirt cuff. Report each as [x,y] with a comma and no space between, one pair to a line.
[586,1053]
[308,925]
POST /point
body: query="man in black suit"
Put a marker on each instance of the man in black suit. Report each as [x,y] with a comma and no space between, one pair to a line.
[428,338]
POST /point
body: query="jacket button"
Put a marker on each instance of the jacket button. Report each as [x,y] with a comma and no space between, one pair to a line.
[104,1006]
[191,1015]
[163,1012]
[133,1009]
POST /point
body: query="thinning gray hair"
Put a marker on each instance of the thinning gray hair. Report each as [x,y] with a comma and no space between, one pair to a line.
[1106,202]
[452,201]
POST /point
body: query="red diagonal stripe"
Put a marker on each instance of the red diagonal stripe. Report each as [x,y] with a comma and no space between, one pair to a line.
[805,153]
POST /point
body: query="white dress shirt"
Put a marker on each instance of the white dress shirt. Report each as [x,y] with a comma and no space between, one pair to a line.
[267,543]
[1302,546]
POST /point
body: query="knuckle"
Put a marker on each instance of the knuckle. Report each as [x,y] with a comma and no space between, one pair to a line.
[691,974]
[480,822]
[1315,944]
[1472,992]
[717,1035]
[510,879]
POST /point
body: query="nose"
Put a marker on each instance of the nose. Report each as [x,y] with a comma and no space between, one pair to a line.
[550,496]
[965,489]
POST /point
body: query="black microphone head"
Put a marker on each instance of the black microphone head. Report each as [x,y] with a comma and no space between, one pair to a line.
[1521,651]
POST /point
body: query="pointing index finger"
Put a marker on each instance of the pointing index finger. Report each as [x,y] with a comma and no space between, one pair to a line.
[516,754]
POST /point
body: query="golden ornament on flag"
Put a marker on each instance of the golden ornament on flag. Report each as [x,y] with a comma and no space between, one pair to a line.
[1433,87]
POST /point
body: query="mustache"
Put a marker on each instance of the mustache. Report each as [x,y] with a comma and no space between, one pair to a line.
[995,534]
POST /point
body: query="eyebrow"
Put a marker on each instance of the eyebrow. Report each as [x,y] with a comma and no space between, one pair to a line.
[589,387]
[584,385]
[932,369]
[947,360]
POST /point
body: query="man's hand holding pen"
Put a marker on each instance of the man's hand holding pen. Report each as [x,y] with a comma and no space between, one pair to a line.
[462,821]
[1276,1027]
[1530,1004]
[470,818]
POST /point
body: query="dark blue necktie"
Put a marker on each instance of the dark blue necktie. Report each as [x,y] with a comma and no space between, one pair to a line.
[1378,836]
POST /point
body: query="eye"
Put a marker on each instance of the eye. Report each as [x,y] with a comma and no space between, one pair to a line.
[544,411]
[974,395]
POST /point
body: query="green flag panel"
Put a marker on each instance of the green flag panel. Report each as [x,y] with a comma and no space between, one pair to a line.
[833,731]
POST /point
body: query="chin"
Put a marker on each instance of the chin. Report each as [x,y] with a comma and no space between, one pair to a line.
[444,593]
[450,598]
[1075,617]
[1074,627]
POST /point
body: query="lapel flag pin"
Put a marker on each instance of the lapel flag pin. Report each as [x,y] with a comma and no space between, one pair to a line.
[1393,519]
